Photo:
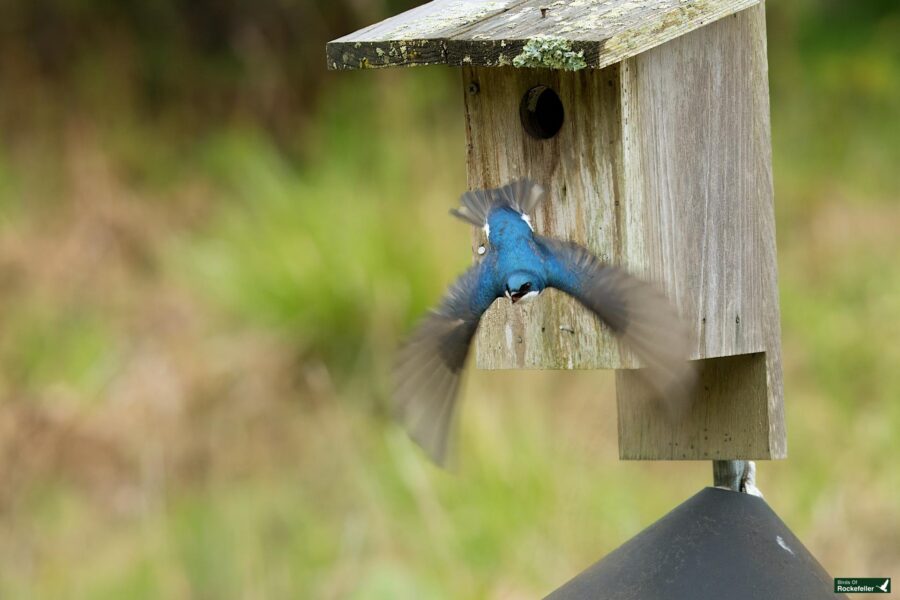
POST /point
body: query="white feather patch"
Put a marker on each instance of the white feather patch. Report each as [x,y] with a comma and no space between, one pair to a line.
[528,296]
[487,230]
[527,219]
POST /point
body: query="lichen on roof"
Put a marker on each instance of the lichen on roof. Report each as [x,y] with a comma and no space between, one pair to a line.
[550,53]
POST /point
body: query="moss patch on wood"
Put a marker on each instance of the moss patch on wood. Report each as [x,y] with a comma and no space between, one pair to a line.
[550,53]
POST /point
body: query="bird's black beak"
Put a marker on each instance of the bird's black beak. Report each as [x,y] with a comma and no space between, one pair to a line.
[519,293]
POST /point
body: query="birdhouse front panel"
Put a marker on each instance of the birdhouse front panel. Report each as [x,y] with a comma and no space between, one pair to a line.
[579,167]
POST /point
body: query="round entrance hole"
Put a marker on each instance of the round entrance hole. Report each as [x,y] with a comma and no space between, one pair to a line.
[541,112]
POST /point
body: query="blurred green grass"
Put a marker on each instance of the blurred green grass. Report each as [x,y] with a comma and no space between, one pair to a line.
[196,328]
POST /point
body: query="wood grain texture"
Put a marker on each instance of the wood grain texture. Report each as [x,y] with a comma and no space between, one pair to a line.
[728,418]
[525,33]
[415,37]
[662,166]
[698,174]
[603,32]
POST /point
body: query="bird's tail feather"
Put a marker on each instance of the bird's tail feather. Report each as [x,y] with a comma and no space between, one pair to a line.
[522,195]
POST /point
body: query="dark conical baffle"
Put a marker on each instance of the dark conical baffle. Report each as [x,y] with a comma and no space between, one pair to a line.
[718,544]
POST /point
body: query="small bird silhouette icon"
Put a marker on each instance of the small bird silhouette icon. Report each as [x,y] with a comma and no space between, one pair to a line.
[518,264]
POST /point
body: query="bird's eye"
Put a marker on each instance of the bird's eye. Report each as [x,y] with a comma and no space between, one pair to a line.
[481,250]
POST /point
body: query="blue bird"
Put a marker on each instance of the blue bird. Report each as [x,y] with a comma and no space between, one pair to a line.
[518,264]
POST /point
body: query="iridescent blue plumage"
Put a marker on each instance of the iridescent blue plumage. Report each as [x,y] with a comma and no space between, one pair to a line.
[515,260]
[518,263]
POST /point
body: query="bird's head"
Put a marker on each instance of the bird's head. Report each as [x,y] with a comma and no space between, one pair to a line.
[522,285]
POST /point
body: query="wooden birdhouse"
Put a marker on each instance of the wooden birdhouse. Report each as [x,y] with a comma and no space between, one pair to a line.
[647,122]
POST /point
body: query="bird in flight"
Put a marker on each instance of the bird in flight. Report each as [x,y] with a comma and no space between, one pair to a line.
[518,264]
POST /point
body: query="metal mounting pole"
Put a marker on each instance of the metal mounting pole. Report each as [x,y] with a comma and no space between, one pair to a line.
[736,475]
[728,474]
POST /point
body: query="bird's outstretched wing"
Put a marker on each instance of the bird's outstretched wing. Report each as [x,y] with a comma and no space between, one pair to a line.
[634,310]
[429,365]
[522,195]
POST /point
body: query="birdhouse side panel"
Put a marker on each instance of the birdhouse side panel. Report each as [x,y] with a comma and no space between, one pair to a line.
[700,219]
[699,183]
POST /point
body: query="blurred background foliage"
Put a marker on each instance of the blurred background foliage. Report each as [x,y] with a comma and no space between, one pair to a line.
[209,247]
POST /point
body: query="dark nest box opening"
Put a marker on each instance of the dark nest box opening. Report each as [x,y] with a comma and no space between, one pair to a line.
[541,112]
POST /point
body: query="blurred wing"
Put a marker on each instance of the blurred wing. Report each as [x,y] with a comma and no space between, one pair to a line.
[522,195]
[634,310]
[429,365]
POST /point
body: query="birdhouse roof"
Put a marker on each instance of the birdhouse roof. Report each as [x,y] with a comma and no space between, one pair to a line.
[560,34]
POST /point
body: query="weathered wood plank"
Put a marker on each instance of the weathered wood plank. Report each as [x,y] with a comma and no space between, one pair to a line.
[415,37]
[700,207]
[575,35]
[728,418]
[698,179]
[525,33]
